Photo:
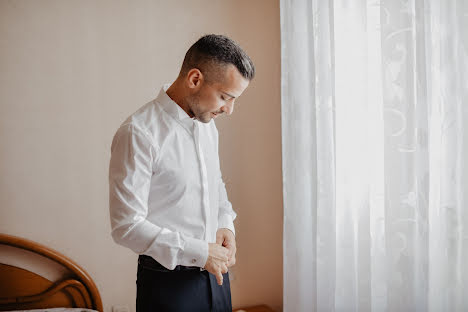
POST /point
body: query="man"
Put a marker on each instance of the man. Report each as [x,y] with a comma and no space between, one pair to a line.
[168,202]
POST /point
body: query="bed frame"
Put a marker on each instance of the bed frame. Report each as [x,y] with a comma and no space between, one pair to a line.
[22,287]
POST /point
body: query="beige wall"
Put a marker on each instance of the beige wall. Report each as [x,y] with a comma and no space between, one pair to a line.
[72,71]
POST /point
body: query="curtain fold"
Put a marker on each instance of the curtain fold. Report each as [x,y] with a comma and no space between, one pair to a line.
[374,113]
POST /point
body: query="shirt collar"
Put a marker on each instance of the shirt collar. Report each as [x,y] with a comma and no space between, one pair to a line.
[173,109]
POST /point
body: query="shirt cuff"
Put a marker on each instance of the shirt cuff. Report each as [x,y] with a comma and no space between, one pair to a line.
[195,252]
[225,222]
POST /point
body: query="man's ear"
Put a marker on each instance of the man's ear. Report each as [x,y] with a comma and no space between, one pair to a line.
[194,78]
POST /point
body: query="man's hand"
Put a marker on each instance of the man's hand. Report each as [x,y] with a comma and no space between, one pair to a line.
[217,261]
[226,238]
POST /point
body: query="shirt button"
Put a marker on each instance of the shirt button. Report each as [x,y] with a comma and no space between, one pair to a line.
[194,260]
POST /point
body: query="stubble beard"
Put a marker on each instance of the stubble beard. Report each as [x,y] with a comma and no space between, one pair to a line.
[194,104]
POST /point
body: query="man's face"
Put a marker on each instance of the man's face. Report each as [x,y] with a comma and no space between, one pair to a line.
[215,98]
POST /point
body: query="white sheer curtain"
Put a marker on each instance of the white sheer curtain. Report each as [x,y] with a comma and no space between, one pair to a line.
[375,144]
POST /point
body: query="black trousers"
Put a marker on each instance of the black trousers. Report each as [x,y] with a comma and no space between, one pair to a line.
[179,290]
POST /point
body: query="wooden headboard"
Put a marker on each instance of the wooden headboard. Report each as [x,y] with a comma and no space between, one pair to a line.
[62,282]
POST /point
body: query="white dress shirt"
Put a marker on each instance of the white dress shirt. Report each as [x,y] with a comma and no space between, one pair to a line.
[167,198]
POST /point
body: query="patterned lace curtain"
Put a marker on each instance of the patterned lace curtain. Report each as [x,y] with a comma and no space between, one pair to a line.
[375,151]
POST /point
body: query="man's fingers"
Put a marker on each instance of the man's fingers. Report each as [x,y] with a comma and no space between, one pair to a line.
[232,249]
[232,256]
[226,254]
[219,278]
[231,262]
[224,268]
[224,258]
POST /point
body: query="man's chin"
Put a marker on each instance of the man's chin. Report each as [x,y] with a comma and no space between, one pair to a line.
[205,118]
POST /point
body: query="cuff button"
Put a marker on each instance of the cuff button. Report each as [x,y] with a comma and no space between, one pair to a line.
[194,260]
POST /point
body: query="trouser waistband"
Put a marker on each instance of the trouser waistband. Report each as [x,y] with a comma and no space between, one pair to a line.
[150,263]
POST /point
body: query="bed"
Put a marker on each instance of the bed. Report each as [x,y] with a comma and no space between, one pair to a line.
[33,276]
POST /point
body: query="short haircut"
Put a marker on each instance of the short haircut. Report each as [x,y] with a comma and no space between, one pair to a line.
[212,52]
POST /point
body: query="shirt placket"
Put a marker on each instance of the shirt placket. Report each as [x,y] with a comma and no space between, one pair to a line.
[204,181]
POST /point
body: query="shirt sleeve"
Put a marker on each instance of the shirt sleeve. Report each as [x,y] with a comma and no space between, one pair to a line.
[130,172]
[226,214]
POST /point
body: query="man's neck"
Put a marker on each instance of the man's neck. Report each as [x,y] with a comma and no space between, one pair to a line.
[177,93]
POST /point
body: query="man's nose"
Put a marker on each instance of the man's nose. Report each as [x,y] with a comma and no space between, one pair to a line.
[228,108]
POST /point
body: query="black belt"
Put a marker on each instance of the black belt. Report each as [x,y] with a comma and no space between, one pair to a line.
[149,263]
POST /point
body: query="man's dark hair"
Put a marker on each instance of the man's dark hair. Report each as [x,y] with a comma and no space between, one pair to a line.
[211,52]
